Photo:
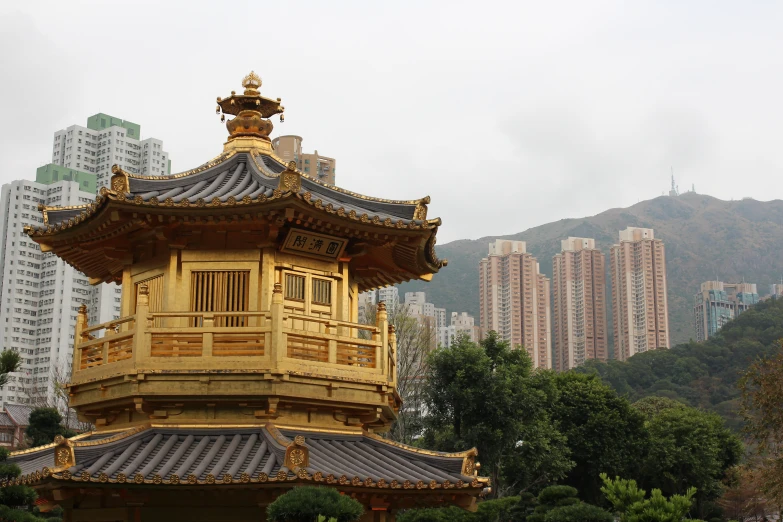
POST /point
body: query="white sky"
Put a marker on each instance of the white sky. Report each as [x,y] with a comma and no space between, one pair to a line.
[509,114]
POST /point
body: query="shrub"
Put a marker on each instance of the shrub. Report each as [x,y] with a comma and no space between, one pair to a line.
[306,504]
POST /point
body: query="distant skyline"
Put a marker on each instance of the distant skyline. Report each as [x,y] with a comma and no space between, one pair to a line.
[509,114]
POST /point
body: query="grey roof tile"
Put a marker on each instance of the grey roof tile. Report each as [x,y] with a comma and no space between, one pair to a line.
[19,413]
[201,452]
[241,176]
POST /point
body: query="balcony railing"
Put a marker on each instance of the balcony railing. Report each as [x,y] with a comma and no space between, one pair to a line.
[276,340]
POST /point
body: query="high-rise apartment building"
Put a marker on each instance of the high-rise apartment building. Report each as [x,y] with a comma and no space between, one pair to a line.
[107,141]
[390,296]
[94,149]
[41,294]
[579,303]
[514,299]
[717,303]
[639,307]
[461,324]
[314,165]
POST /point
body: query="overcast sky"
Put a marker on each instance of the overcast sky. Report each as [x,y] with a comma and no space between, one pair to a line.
[509,114]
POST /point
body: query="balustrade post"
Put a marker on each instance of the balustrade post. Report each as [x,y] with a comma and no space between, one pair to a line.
[207,337]
[381,352]
[81,325]
[278,336]
[141,343]
[392,355]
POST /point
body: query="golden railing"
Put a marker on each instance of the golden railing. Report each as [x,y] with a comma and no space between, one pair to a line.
[275,340]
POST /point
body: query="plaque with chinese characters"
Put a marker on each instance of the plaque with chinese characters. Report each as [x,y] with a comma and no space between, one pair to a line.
[313,244]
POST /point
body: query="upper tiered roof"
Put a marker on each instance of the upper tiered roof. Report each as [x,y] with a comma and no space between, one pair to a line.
[246,187]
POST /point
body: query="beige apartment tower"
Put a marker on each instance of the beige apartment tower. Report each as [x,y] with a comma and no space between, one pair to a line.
[579,278]
[289,148]
[640,312]
[514,299]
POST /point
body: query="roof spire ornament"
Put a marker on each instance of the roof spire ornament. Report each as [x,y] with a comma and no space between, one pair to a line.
[252,113]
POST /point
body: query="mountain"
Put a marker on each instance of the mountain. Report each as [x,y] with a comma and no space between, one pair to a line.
[702,375]
[705,238]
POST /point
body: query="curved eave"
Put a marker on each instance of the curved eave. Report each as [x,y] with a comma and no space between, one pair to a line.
[84,214]
[95,223]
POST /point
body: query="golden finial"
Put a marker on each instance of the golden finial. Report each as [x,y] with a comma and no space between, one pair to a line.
[252,110]
[251,83]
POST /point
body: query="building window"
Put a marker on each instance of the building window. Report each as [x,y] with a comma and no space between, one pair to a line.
[322,291]
[295,287]
[220,291]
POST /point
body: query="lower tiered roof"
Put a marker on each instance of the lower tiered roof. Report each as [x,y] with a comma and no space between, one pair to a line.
[246,455]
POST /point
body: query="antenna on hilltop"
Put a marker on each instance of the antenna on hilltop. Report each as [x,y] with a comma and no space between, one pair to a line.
[674,190]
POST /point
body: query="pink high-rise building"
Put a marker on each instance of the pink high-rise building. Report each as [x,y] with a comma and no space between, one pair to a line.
[579,279]
[640,311]
[514,300]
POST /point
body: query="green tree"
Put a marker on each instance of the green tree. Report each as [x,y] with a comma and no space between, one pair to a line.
[762,397]
[489,396]
[498,510]
[551,498]
[579,513]
[630,504]
[689,448]
[15,501]
[9,362]
[308,503]
[605,434]
[45,425]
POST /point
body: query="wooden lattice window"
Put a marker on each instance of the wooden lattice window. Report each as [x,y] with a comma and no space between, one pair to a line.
[295,287]
[220,291]
[322,291]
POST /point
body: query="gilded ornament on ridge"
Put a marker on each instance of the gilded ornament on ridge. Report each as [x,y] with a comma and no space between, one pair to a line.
[282,475]
[121,478]
[297,457]
[63,456]
[192,479]
[263,477]
[138,478]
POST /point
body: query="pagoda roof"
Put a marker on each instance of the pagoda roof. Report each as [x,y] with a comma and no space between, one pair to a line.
[204,455]
[238,184]
[236,177]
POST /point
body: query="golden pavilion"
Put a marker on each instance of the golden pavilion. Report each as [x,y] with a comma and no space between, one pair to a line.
[239,369]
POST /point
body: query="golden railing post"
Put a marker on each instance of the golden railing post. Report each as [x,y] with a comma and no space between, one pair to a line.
[207,337]
[381,352]
[81,325]
[392,355]
[141,345]
[278,337]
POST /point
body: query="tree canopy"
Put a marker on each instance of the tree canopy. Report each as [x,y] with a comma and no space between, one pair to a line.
[489,396]
[45,425]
